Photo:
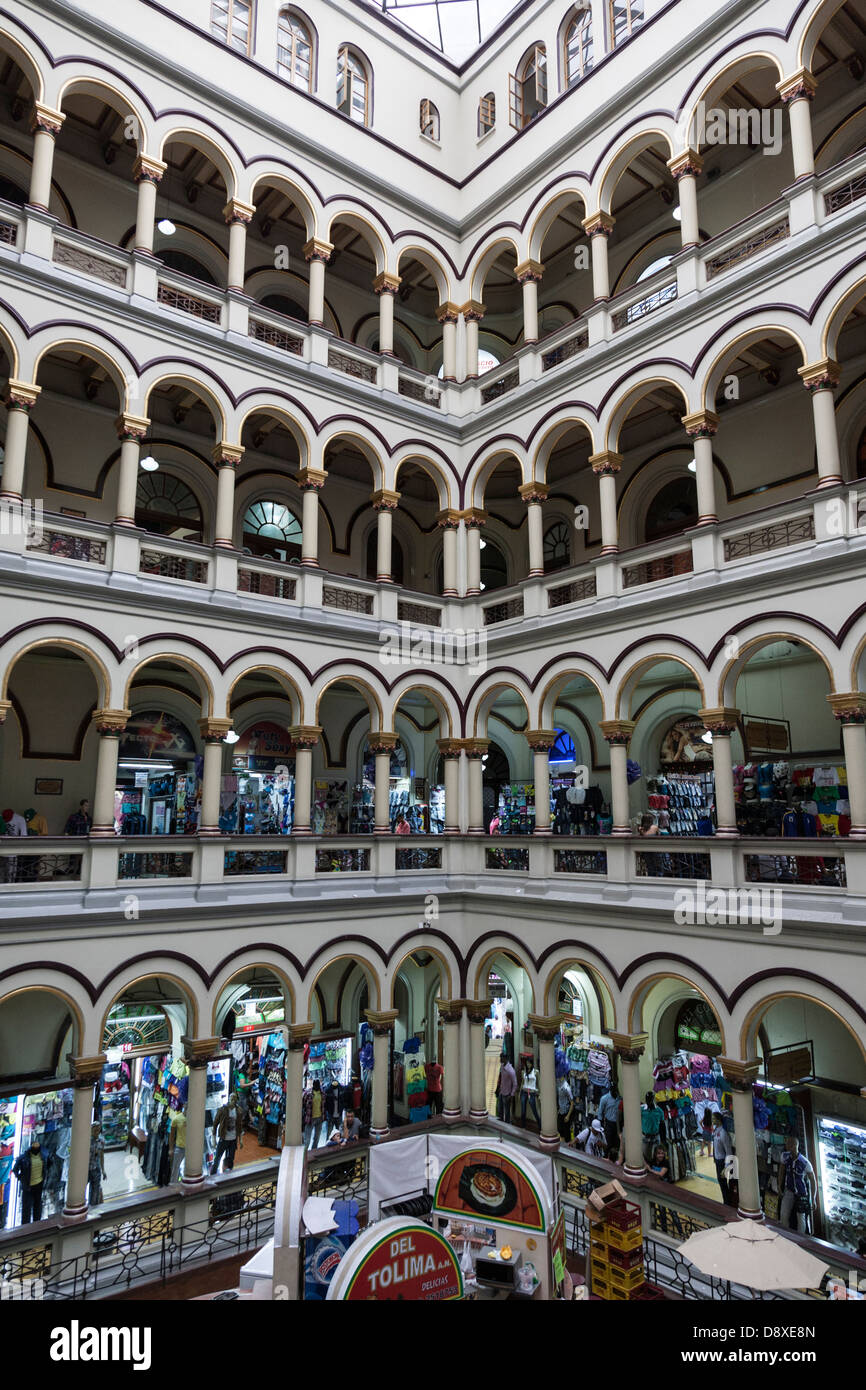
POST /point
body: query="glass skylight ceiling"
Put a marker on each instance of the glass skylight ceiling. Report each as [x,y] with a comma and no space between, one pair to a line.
[455,27]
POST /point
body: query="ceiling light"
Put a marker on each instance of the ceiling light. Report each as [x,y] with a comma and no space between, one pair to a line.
[707,737]
[231,737]
[678,214]
[481,545]
[153,766]
[149,464]
[693,466]
[483,587]
[166,226]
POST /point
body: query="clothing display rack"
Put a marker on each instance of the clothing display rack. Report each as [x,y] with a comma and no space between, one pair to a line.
[681,803]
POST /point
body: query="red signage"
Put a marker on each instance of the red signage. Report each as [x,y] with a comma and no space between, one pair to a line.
[416,1265]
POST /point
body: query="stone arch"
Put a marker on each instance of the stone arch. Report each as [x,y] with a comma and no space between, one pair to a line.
[754,1005]
[97,664]
[206,145]
[253,406]
[10,347]
[374,702]
[716,84]
[555,685]
[430,263]
[364,446]
[434,470]
[834,320]
[478,964]
[238,966]
[811,29]
[70,993]
[281,673]
[439,699]
[486,466]
[448,968]
[18,51]
[118,97]
[204,681]
[619,161]
[482,703]
[707,991]
[747,647]
[346,952]
[123,376]
[211,396]
[302,199]
[188,984]
[603,982]
[366,230]
[549,211]
[485,260]
[642,664]
[713,375]
[551,437]
[617,415]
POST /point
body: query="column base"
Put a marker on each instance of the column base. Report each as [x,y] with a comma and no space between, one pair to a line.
[75,1213]
[857,832]
[635,1174]
[209,832]
[746,1215]
[301,830]
[542,830]
[125,521]
[535,574]
[479,1116]
[193,1184]
[726,832]
[619,832]
[610,550]
[549,1141]
[476,830]
[450,593]
[310,564]
[707,521]
[834,480]
[473,593]
[102,832]
[223,545]
[455,830]
[377,1134]
[384,579]
[10,496]
[381,830]
[450,1115]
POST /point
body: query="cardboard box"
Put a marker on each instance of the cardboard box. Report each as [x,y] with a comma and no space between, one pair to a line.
[608,1196]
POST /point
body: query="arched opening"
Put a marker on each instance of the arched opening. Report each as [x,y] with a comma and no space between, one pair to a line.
[508,1037]
[258,785]
[165,506]
[506,525]
[191,236]
[416,533]
[73,439]
[418,1048]
[340,1059]
[579,771]
[252,1013]
[672,510]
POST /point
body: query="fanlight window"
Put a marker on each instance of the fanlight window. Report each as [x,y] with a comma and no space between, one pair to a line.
[272,531]
[167,507]
[294,51]
[353,87]
[557,547]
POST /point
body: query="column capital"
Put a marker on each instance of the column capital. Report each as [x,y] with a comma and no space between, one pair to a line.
[131,427]
[474,518]
[688,164]
[740,1075]
[383,742]
[450,1010]
[800,86]
[197,1052]
[617,731]
[450,747]
[238,212]
[629,1047]
[214,730]
[147,170]
[86,1071]
[384,500]
[381,1020]
[849,708]
[545,1026]
[448,312]
[299,1035]
[21,395]
[722,720]
[316,250]
[534,492]
[606,464]
[528,272]
[600,224]
[475,748]
[386,283]
[110,722]
[478,1010]
[311,479]
[5,706]
[305,735]
[448,520]
[820,376]
[46,119]
[473,310]
[540,740]
[227,455]
[703,424]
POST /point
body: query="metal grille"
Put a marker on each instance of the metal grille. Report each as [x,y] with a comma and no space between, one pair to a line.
[644,306]
[350,600]
[254,861]
[574,592]
[345,1181]
[341,362]
[774,537]
[155,866]
[156,562]
[342,861]
[511,859]
[40,868]
[417,391]
[818,871]
[577,1184]
[8,233]
[570,348]
[67,547]
[276,337]
[574,861]
[419,859]
[671,1222]
[22,1265]
[87,263]
[651,571]
[189,303]
[501,612]
[500,388]
[845,194]
[419,613]
[750,246]
[686,865]
[268,585]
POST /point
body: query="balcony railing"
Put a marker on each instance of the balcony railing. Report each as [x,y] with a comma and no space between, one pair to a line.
[578,342]
[847,193]
[267,583]
[189,301]
[84,260]
[67,545]
[417,387]
[418,613]
[662,567]
[506,381]
[647,304]
[503,612]
[352,363]
[166,564]
[774,536]
[576,591]
[271,333]
[752,245]
[348,600]
[8,232]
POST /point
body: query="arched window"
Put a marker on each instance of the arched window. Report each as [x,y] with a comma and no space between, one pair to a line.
[294,50]
[672,509]
[12,192]
[167,507]
[578,47]
[658,264]
[353,86]
[623,18]
[563,751]
[271,531]
[397,573]
[557,547]
[185,263]
[231,21]
[486,114]
[429,120]
[527,88]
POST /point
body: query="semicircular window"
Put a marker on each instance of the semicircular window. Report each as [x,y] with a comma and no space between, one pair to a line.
[167,507]
[557,547]
[272,531]
[672,509]
[12,192]
[186,264]
[563,751]
[282,304]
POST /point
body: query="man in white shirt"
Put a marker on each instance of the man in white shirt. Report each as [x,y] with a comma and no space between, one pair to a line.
[722,1151]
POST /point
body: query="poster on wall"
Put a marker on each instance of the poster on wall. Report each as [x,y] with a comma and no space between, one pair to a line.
[152,733]
[263,747]
[684,743]
[398,1260]
[484,1182]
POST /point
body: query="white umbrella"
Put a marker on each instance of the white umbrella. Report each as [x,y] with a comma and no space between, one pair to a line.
[748,1253]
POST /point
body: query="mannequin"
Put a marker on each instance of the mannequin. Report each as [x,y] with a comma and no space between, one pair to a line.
[29,1169]
[177,1144]
[228,1127]
[96,1165]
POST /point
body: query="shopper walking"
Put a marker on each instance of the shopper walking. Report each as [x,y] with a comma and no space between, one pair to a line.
[227,1127]
[29,1169]
[722,1151]
[529,1091]
[565,1109]
[314,1116]
[797,1185]
[507,1089]
[96,1165]
[608,1113]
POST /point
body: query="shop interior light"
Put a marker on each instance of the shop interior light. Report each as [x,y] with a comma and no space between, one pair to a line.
[231,737]
[166,226]
[693,467]
[707,737]
[678,214]
[481,545]
[149,464]
[155,766]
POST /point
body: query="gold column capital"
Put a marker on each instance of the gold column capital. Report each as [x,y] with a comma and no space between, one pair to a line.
[599,224]
[311,479]
[629,1047]
[616,731]
[475,747]
[800,85]
[381,1020]
[317,250]
[148,170]
[46,119]
[131,427]
[701,424]
[21,395]
[214,730]
[86,1071]
[450,747]
[722,720]
[741,1074]
[545,1026]
[849,708]
[240,212]
[448,312]
[227,455]
[450,1010]
[383,742]
[473,309]
[534,492]
[386,283]
[687,164]
[305,735]
[605,464]
[110,722]
[384,500]
[528,271]
[821,376]
[199,1051]
[540,740]
[299,1035]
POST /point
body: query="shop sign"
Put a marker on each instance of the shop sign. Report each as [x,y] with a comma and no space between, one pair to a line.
[483,1182]
[153,733]
[265,746]
[557,1247]
[413,1265]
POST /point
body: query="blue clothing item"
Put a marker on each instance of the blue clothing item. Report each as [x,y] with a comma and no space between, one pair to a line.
[608,1108]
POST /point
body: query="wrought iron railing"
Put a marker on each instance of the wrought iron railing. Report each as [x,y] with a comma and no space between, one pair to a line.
[500,387]
[774,536]
[648,305]
[349,600]
[511,859]
[574,592]
[86,262]
[342,861]
[751,245]
[677,864]
[166,566]
[176,865]
[352,366]
[428,391]
[576,861]
[561,353]
[845,194]
[343,1179]
[254,861]
[276,337]
[418,613]
[41,868]
[68,547]
[418,858]
[651,571]
[8,233]
[186,303]
[806,870]
[502,612]
[266,584]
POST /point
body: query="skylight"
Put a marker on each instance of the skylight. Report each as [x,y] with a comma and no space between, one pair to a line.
[455,27]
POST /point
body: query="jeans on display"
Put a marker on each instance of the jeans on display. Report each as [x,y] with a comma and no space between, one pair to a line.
[787,1207]
[314,1131]
[435,1098]
[31,1204]
[507,1108]
[227,1147]
[176,1161]
[529,1096]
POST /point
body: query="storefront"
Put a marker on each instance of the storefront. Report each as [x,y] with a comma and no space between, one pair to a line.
[258,796]
[40,1114]
[421,805]
[158,789]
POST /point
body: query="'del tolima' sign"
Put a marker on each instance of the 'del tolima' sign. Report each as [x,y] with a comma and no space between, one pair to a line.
[483,1182]
[416,1265]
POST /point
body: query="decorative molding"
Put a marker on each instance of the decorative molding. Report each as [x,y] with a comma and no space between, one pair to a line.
[606,464]
[448,520]
[475,748]
[386,283]
[311,479]
[315,250]
[214,730]
[617,731]
[227,455]
[381,1020]
[703,424]
[448,312]
[384,501]
[723,721]
[110,722]
[46,120]
[600,224]
[305,735]
[473,311]
[382,742]
[450,747]
[5,707]
[474,518]
[821,376]
[800,86]
[541,740]
[131,428]
[849,708]
[529,272]
[21,395]
[147,170]
[686,165]
[534,492]
[237,213]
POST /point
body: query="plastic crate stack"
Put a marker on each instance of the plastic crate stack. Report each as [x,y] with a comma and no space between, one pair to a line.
[616,1252]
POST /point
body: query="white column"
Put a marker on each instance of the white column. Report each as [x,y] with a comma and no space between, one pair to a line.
[448,315]
[629,1049]
[381,1021]
[382,744]
[197,1053]
[310,481]
[722,723]
[546,1029]
[479,1011]
[617,733]
[86,1073]
[473,521]
[685,169]
[213,732]
[449,523]
[131,429]
[701,429]
[226,457]
[317,254]
[541,741]
[386,287]
[821,379]
[474,753]
[148,175]
[797,93]
[605,466]
[741,1076]
[45,125]
[109,724]
[598,228]
[238,216]
[451,750]
[534,495]
[304,738]
[450,1015]
[850,711]
[472,315]
[299,1035]
[528,275]
[19,400]
[384,504]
